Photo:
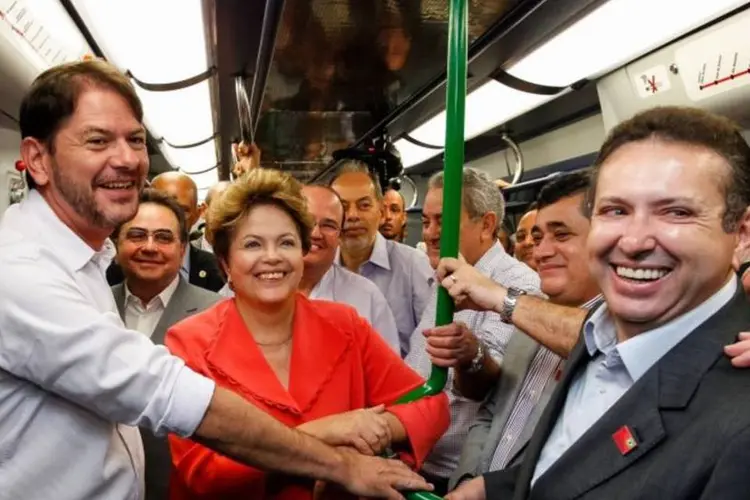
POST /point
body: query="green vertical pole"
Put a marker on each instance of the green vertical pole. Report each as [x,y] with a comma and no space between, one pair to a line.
[455,101]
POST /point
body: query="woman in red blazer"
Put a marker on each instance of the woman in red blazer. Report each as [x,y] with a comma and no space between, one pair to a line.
[311,364]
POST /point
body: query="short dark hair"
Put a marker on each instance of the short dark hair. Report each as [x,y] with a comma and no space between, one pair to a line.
[693,127]
[53,97]
[563,186]
[150,195]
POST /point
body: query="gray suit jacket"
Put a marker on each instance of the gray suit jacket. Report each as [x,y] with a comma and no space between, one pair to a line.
[689,413]
[187,300]
[486,431]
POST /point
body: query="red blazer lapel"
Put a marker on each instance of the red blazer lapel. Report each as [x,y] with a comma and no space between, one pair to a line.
[320,346]
[234,357]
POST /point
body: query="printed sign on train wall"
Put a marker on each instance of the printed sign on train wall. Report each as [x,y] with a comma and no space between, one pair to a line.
[717,62]
[39,25]
[652,81]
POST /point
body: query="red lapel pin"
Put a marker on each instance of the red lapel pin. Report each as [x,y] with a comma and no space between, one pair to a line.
[625,440]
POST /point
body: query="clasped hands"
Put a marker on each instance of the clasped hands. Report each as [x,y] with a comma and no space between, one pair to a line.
[357,432]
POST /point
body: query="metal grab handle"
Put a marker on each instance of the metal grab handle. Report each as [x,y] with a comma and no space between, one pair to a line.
[243,111]
[513,145]
[415,191]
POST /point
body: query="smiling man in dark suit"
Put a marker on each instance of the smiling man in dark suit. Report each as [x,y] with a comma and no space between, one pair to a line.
[154,296]
[648,407]
[199,267]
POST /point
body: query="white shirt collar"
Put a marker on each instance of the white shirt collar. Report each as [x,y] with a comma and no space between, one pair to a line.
[75,252]
[164,297]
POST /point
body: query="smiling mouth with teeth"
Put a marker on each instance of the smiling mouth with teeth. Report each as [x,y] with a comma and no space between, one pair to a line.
[118,185]
[638,274]
[275,276]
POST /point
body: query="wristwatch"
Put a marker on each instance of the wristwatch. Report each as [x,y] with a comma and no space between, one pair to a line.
[509,304]
[478,362]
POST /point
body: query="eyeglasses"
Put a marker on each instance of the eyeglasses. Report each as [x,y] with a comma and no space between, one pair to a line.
[160,236]
[328,227]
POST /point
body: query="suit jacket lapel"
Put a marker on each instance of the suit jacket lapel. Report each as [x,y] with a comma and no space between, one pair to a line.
[118,292]
[178,308]
[668,385]
[318,348]
[578,359]
[522,349]
[533,420]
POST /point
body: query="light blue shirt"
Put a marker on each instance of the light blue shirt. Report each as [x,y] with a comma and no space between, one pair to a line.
[614,368]
[341,285]
[403,274]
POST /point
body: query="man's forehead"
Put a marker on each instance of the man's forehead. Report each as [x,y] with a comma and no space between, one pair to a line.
[393,197]
[354,184]
[320,199]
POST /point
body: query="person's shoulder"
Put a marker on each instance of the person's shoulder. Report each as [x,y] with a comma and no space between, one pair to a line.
[201,296]
[202,256]
[406,250]
[357,281]
[411,258]
[510,272]
[16,247]
[25,262]
[329,310]
[199,329]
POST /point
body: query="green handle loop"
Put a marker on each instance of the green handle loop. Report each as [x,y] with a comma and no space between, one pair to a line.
[455,103]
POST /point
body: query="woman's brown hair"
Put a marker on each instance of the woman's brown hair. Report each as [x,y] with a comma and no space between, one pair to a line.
[260,186]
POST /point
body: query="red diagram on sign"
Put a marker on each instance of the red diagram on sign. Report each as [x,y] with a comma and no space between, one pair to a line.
[725,79]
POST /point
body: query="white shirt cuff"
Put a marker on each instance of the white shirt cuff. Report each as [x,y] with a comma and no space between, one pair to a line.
[191,396]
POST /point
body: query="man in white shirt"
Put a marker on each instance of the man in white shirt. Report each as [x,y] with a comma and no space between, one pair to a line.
[74,383]
[323,279]
[473,340]
[154,296]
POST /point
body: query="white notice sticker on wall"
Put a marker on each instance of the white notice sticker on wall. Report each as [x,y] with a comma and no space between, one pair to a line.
[652,81]
[717,62]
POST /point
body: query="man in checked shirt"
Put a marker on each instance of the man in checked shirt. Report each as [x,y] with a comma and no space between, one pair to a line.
[480,337]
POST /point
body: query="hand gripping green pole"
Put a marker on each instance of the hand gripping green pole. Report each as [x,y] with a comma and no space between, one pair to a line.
[452,187]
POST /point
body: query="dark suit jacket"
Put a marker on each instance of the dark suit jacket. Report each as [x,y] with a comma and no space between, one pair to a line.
[204,271]
[186,301]
[690,414]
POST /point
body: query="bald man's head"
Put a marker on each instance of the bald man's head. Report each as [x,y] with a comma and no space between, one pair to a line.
[216,191]
[183,189]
